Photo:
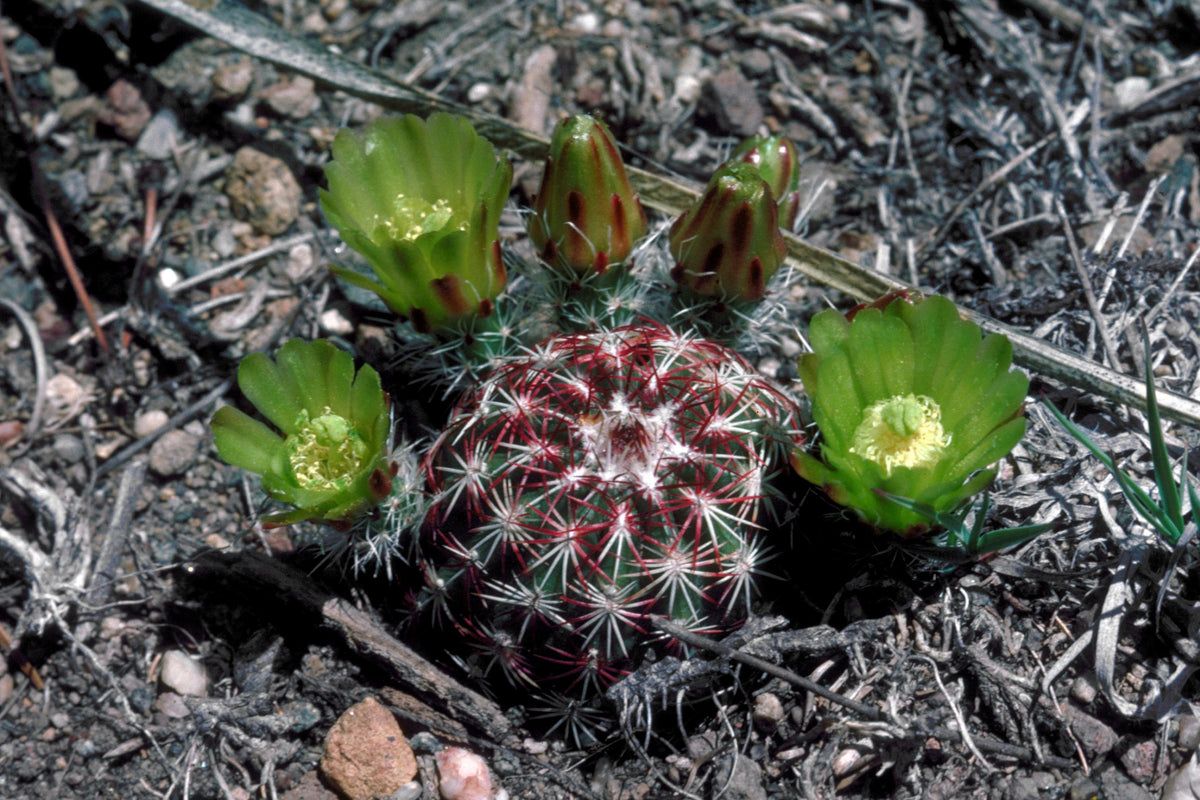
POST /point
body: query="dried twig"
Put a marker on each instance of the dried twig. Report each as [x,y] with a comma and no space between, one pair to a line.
[1085,281]
[296,592]
[116,535]
[870,712]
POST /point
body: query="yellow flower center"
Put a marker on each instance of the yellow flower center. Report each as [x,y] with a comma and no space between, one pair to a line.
[901,431]
[413,216]
[326,451]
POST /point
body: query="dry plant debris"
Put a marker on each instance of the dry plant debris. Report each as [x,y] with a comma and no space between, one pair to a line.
[1037,161]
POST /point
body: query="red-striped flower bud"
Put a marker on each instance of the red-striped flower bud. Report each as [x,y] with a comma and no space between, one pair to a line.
[777,162]
[586,215]
[728,245]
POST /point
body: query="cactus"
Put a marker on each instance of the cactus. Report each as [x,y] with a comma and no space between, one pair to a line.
[611,456]
[605,477]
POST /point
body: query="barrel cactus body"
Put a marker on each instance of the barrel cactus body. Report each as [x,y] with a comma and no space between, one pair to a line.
[603,478]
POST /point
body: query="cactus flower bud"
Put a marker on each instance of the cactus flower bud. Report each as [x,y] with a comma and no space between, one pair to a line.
[586,215]
[728,245]
[911,401]
[330,460]
[777,162]
[421,201]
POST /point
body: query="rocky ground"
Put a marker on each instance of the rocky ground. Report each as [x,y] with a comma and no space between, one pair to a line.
[1035,160]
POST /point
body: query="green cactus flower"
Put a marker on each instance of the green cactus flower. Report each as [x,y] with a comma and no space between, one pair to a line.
[330,461]
[912,401]
[421,201]
[728,245]
[778,163]
[586,215]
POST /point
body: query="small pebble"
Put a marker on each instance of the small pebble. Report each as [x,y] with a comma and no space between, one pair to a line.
[535,747]
[64,83]
[182,674]
[463,775]
[409,791]
[478,92]
[148,422]
[224,243]
[161,136]
[1083,690]
[768,712]
[173,453]
[1130,91]
[168,277]
[172,706]
[1177,328]
[424,742]
[688,89]
[231,81]
[615,29]
[335,322]
[124,110]
[69,448]
[733,101]
[301,262]
[6,688]
[366,754]
[756,61]
[64,398]
[1189,732]
[295,98]
[262,191]
[585,24]
[111,627]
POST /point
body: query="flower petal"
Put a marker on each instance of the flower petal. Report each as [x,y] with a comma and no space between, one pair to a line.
[272,391]
[245,442]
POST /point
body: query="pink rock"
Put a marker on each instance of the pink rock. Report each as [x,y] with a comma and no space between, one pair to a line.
[463,775]
[366,754]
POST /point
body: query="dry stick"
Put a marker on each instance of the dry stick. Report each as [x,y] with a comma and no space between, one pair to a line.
[1089,294]
[43,201]
[930,244]
[695,640]
[235,25]
[704,643]
[296,591]
[116,535]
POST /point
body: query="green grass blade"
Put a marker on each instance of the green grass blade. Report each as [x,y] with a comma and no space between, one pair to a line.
[1004,538]
[1168,493]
